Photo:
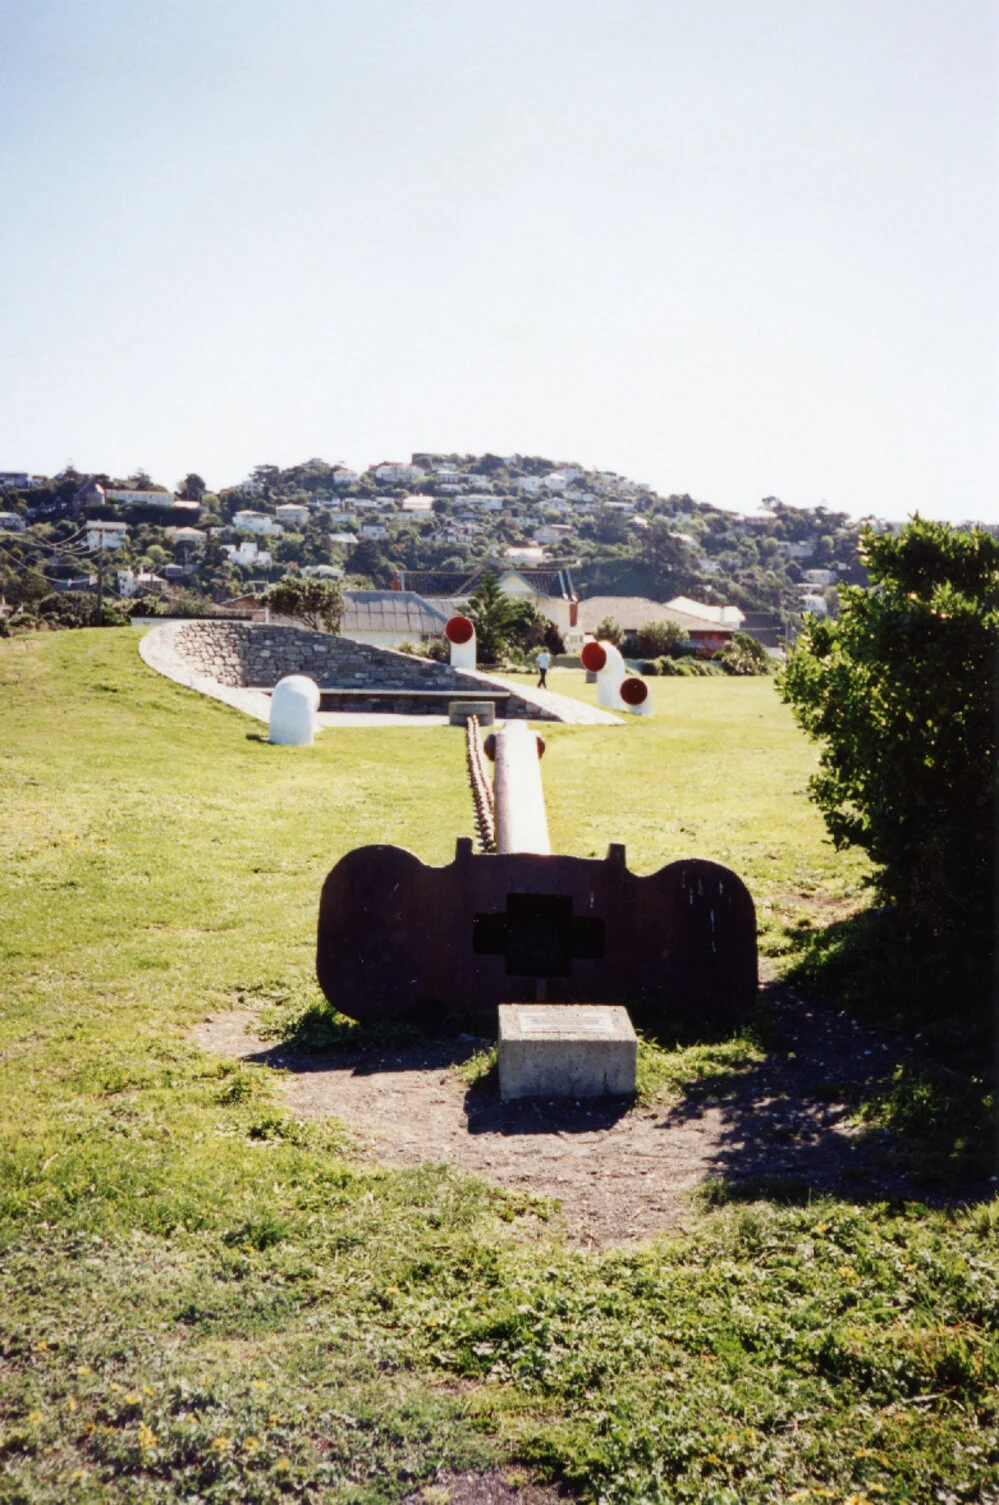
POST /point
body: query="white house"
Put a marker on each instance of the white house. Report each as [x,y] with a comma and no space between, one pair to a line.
[820,577]
[393,470]
[104,534]
[343,515]
[247,552]
[18,480]
[801,550]
[190,536]
[12,522]
[724,616]
[553,533]
[525,553]
[371,503]
[448,475]
[344,540]
[142,498]
[130,582]
[555,480]
[323,571]
[815,604]
[256,522]
[374,530]
[422,505]
[530,484]
[292,513]
[484,500]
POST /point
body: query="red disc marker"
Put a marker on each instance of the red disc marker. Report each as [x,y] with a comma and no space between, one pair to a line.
[634,692]
[459,630]
[594,657]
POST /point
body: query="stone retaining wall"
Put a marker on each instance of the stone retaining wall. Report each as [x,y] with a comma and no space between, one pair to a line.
[253,654]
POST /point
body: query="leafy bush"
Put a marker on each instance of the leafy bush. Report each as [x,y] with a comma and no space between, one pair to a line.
[901,692]
[650,666]
[307,599]
[689,668]
[609,631]
[744,655]
[78,609]
[660,638]
[173,604]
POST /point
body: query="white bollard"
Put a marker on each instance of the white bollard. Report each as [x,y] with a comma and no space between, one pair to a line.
[460,633]
[604,660]
[294,703]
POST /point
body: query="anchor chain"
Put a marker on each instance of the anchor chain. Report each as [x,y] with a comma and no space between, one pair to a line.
[482,789]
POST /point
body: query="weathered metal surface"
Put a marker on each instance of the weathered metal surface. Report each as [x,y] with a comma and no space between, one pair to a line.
[522,927]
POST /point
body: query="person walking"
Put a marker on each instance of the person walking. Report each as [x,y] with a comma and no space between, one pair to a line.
[543,662]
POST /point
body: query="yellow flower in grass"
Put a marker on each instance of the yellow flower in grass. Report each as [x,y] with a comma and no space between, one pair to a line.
[132,1399]
[147,1437]
[219,1444]
[36,1418]
[249,1443]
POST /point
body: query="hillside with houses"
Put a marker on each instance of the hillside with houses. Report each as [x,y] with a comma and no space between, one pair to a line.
[427,527]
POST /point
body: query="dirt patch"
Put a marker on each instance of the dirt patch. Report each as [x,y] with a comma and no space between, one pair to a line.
[485,1489]
[619,1173]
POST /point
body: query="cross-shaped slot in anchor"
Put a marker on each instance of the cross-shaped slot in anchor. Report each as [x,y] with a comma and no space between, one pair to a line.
[538,935]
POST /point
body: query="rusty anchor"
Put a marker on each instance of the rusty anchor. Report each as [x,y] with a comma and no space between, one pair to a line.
[517,924]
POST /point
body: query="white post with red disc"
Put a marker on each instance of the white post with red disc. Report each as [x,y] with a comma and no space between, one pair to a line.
[460,633]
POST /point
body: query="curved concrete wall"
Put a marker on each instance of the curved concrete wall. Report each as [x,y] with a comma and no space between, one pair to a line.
[231,659]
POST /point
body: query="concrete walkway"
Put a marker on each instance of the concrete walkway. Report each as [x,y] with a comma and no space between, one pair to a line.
[158,649]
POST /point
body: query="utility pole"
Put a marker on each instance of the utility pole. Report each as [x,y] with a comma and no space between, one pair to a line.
[100,584]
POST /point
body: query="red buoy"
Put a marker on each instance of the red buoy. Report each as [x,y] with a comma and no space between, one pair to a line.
[594,657]
[459,630]
[634,691]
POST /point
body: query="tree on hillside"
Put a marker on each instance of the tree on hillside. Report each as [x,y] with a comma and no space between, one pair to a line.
[492,611]
[192,488]
[901,692]
[315,603]
[665,556]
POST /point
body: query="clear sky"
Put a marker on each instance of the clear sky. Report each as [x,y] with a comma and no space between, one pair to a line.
[732,247]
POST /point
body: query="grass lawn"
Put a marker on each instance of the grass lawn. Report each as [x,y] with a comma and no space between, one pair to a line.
[202,1299]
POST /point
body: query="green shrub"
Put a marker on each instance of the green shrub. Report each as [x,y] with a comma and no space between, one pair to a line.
[744,655]
[658,638]
[609,631]
[650,666]
[901,692]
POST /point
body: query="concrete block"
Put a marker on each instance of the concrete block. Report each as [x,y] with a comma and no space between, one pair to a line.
[565,1050]
[458,711]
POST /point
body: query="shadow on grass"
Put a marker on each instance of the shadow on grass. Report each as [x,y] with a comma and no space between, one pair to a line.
[879,1077]
[868,1082]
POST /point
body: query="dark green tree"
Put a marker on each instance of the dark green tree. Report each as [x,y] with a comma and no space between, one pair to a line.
[192,488]
[900,691]
[315,603]
[493,612]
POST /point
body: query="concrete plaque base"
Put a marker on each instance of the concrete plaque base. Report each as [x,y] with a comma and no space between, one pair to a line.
[458,711]
[565,1050]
